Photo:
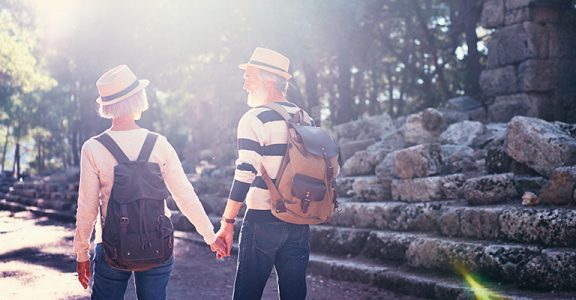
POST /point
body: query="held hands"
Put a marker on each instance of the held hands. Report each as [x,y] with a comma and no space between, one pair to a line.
[226,233]
[219,247]
[83,269]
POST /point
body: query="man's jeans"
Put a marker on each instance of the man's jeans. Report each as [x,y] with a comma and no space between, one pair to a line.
[281,245]
[110,284]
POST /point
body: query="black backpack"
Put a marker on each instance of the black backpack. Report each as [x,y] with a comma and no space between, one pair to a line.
[137,235]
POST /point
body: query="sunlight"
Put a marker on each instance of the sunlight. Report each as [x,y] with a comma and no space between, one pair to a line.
[480,291]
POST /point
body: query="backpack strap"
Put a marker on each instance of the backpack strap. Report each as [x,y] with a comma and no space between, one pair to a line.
[114,149]
[147,147]
[298,117]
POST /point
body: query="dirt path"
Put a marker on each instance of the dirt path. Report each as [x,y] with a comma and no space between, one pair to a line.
[36,263]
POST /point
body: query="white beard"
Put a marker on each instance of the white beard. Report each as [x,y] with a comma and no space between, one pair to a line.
[257,98]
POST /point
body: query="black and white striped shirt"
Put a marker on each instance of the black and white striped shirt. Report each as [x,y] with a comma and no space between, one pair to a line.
[262,139]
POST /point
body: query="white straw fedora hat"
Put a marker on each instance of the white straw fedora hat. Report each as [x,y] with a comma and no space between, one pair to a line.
[270,61]
[118,84]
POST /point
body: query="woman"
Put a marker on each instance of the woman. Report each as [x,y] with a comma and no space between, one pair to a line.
[123,99]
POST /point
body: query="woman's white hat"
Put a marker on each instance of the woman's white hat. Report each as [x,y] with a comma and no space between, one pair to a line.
[118,84]
[270,61]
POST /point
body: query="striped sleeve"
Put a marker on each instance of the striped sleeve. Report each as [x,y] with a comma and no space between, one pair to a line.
[251,141]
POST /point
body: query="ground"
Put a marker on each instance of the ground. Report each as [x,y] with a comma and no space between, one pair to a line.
[36,261]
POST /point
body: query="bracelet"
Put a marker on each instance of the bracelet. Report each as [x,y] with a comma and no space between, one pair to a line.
[229,221]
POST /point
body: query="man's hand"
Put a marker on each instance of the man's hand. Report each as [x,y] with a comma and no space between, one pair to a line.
[226,233]
[83,269]
[219,247]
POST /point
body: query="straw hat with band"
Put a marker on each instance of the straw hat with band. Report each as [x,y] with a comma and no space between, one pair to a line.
[118,84]
[269,61]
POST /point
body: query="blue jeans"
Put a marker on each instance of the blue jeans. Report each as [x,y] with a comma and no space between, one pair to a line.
[110,283]
[284,246]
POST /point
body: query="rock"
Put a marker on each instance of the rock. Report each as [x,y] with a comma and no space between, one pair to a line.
[458,159]
[344,186]
[492,14]
[554,269]
[530,199]
[464,103]
[423,127]
[369,188]
[540,145]
[506,107]
[348,149]
[366,128]
[560,188]
[548,227]
[417,161]
[427,189]
[384,169]
[364,162]
[490,189]
[499,81]
[462,133]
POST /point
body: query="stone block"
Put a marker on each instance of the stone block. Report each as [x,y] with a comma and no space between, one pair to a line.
[366,128]
[516,4]
[537,75]
[423,127]
[426,189]
[348,149]
[505,262]
[540,145]
[364,162]
[499,81]
[387,246]
[553,270]
[509,106]
[562,41]
[480,223]
[370,188]
[490,189]
[417,161]
[548,227]
[340,241]
[515,16]
[462,133]
[560,188]
[492,14]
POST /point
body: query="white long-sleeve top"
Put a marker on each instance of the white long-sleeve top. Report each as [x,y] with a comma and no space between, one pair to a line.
[97,175]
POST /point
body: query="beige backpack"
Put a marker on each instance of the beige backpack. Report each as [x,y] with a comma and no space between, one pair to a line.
[304,192]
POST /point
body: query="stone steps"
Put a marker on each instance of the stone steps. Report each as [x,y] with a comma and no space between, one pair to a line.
[506,262]
[548,226]
[424,284]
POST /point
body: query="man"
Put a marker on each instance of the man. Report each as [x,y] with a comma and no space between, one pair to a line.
[266,242]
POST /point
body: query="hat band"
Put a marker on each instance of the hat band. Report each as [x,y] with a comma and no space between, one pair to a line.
[259,63]
[121,93]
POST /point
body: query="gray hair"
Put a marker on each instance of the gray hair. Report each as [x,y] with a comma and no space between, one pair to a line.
[280,82]
[131,105]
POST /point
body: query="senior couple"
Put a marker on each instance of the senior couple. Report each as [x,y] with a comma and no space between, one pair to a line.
[265,241]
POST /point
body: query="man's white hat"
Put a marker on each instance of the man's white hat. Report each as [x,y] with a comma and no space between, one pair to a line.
[118,84]
[270,61]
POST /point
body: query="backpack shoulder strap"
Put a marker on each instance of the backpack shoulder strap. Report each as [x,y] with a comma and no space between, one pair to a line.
[147,147]
[280,110]
[300,116]
[114,149]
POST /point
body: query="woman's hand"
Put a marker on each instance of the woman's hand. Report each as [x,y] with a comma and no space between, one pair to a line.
[219,247]
[83,269]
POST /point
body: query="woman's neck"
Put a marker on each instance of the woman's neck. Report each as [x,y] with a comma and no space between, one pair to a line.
[124,123]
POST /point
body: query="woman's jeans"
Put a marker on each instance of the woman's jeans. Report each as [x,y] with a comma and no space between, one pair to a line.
[110,283]
[281,245]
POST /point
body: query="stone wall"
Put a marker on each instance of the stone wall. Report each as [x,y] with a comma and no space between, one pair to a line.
[531,67]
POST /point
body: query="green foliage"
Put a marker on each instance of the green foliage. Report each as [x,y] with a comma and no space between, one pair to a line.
[349,58]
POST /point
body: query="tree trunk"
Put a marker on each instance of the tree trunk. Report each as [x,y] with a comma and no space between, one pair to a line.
[16,166]
[5,146]
[373,107]
[345,105]
[473,67]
